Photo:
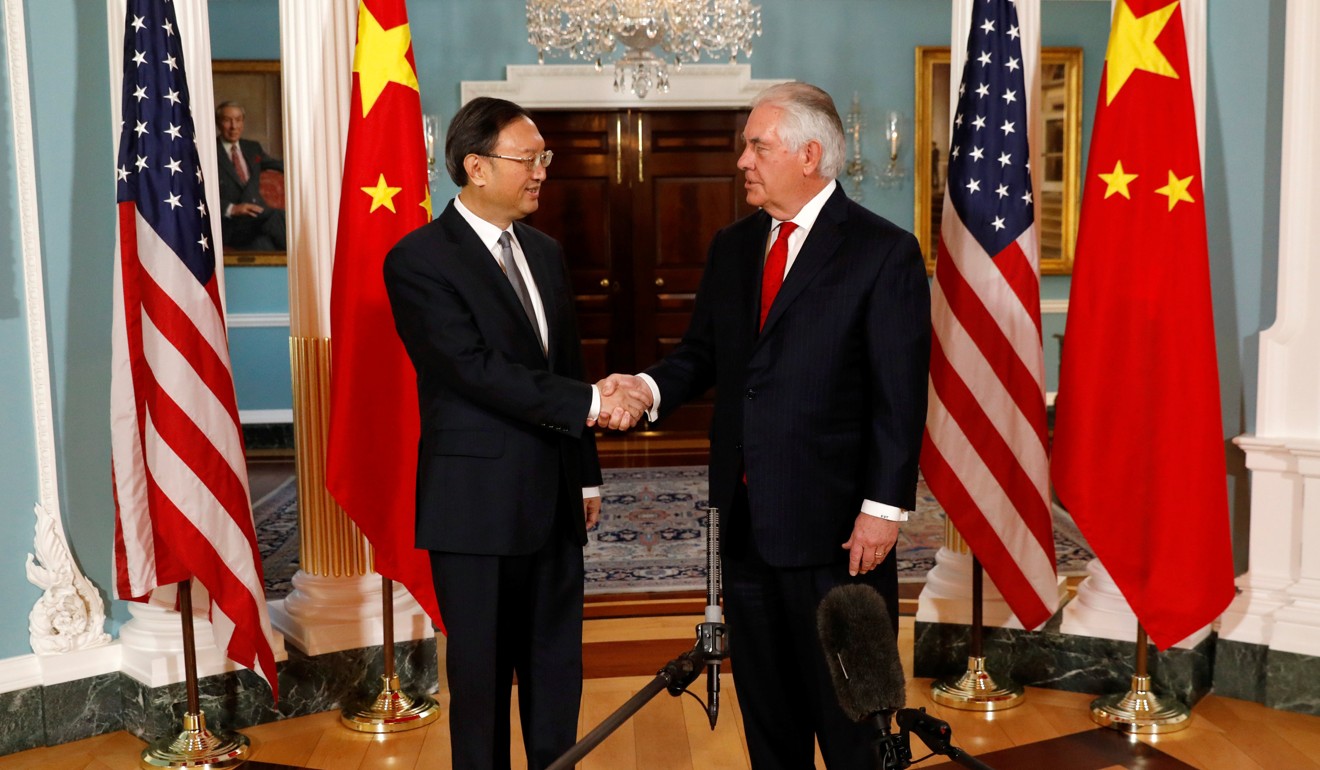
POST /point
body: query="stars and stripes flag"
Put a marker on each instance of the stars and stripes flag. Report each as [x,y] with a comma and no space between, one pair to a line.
[1139,442]
[371,463]
[182,510]
[985,454]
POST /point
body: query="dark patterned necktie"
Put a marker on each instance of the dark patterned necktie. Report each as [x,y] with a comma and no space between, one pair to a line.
[516,279]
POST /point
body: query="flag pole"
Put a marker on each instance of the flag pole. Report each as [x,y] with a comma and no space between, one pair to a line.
[1139,711]
[196,746]
[975,689]
[392,710]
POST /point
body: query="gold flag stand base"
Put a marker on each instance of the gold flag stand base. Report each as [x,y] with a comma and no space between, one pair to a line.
[976,690]
[392,711]
[1139,712]
[197,747]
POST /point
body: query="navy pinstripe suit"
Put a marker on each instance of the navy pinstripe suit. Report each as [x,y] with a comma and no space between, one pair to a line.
[824,408]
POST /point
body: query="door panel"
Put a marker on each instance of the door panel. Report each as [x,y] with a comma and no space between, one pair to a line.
[635,197]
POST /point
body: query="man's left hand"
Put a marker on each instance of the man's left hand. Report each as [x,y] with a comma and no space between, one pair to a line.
[872,540]
[591,508]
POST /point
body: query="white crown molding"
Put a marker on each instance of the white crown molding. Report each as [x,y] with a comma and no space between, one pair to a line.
[69,615]
[256,320]
[548,86]
[1054,306]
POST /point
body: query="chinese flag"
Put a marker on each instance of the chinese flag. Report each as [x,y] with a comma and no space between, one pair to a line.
[1138,443]
[372,456]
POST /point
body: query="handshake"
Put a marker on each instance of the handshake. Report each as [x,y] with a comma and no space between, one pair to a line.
[624,400]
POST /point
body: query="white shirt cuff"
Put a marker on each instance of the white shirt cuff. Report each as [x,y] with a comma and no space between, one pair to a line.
[590,492]
[882,511]
[653,413]
[594,411]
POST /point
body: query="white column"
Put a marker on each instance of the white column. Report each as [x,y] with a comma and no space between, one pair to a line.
[1279,602]
[342,609]
[947,595]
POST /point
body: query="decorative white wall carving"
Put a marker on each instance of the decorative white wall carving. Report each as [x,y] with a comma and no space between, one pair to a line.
[69,615]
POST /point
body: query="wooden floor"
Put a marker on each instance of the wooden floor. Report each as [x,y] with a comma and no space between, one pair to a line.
[672,733]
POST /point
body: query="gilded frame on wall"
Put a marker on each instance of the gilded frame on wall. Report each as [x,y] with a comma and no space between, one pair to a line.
[256,85]
[1058,160]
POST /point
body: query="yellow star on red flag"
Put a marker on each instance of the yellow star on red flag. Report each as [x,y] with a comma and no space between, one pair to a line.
[1118,181]
[1176,190]
[382,194]
[1132,47]
[381,58]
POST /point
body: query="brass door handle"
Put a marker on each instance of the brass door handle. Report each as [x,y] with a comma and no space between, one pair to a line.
[659,283]
[604,283]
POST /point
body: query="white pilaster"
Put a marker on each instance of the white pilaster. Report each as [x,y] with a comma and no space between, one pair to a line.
[329,614]
[152,642]
[947,595]
[1276,498]
[1099,610]
[1279,603]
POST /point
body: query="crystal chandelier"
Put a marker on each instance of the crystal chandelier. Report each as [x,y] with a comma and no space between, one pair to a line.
[683,29]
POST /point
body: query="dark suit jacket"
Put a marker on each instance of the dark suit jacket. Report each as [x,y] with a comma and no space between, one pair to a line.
[503,437]
[827,404]
[233,191]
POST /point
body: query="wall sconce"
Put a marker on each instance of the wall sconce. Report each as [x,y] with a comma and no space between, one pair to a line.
[895,130]
[433,131]
[855,168]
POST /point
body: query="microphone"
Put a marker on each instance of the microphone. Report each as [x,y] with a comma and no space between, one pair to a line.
[862,653]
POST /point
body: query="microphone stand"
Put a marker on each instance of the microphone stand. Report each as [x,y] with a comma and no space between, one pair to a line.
[711,648]
[936,734]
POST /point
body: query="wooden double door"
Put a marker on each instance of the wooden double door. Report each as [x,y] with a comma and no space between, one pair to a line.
[635,197]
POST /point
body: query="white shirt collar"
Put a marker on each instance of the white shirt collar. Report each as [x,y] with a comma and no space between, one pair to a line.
[806,217]
[487,232]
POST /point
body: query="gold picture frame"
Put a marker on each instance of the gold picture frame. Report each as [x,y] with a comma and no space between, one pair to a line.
[256,84]
[1059,159]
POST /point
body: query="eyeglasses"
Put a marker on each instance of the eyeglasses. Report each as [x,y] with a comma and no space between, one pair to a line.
[541,159]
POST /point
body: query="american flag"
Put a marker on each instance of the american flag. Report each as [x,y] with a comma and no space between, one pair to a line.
[985,455]
[182,509]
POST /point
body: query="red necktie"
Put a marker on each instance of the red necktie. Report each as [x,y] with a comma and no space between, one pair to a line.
[239,164]
[775,263]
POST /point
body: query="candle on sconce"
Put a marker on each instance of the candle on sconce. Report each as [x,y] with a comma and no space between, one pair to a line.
[891,129]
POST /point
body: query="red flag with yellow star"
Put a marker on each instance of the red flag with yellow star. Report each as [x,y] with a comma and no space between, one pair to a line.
[1138,440]
[371,463]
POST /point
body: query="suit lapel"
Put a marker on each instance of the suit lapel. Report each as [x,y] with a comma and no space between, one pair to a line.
[753,273]
[547,286]
[822,242]
[478,259]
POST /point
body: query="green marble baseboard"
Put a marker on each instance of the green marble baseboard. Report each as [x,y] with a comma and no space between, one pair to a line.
[1058,661]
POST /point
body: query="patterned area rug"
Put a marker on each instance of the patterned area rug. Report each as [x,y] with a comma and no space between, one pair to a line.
[276,520]
[652,535]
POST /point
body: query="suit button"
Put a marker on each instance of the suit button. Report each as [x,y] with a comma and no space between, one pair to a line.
[751,393]
[738,447]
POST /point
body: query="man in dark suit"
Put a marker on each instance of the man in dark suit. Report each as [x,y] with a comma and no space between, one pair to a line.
[246,221]
[813,323]
[507,472]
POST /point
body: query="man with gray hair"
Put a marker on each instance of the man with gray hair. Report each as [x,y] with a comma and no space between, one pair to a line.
[812,321]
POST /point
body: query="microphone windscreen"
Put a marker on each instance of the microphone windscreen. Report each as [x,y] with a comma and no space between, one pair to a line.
[861,651]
